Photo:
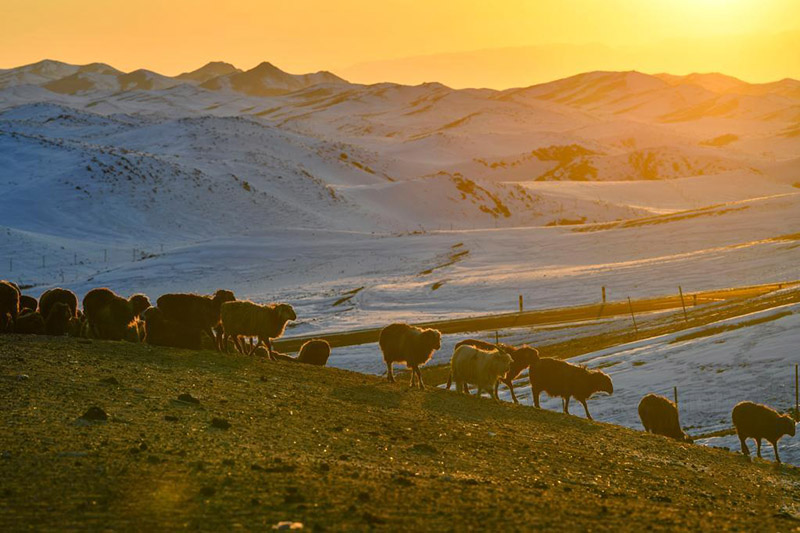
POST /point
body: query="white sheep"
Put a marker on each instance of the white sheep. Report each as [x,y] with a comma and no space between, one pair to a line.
[471,365]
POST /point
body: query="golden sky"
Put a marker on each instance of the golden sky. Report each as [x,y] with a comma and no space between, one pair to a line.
[371,40]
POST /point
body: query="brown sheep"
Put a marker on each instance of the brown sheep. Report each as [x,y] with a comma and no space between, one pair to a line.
[30,323]
[51,296]
[161,332]
[314,352]
[660,417]
[401,343]
[565,380]
[57,322]
[522,358]
[758,421]
[247,319]
[28,302]
[139,304]
[107,314]
[196,311]
[9,305]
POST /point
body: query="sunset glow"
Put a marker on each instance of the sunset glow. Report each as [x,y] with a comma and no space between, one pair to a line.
[371,41]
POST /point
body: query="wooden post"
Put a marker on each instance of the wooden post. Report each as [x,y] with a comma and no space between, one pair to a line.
[683,303]
[105,255]
[496,338]
[75,259]
[796,395]
[694,302]
[675,395]
[630,306]
[133,255]
[520,303]
[604,294]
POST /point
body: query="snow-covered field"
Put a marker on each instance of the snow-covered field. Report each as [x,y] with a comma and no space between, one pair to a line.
[366,204]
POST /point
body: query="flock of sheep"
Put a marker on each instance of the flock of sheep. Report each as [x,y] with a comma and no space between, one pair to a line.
[221,322]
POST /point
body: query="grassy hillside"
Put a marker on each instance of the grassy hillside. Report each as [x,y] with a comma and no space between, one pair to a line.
[334,450]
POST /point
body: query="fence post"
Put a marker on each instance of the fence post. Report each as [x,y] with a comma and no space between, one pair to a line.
[105,255]
[133,255]
[496,337]
[683,303]
[75,259]
[520,303]
[604,294]
[675,395]
[796,394]
[630,306]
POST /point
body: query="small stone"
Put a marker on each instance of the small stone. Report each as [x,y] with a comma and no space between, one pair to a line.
[23,377]
[220,423]
[188,398]
[111,380]
[94,414]
[423,447]
[170,418]
[208,491]
[363,496]
[288,525]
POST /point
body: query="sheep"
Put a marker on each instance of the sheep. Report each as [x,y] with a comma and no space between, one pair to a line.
[761,422]
[401,343]
[139,304]
[522,357]
[314,352]
[107,314]
[161,332]
[51,296]
[559,378]
[30,323]
[660,417]
[248,319]
[28,302]
[58,321]
[480,367]
[9,305]
[196,311]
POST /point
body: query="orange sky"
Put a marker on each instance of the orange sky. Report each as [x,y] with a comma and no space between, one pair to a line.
[364,39]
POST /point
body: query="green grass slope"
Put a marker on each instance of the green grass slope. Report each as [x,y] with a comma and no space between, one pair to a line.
[334,450]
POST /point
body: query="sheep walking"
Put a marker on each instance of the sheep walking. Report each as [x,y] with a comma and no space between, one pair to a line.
[196,311]
[247,319]
[660,417]
[9,305]
[758,421]
[51,297]
[479,367]
[565,380]
[401,343]
[522,358]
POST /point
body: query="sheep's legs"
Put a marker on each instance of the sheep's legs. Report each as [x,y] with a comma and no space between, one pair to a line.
[565,402]
[239,343]
[745,450]
[510,385]
[758,447]
[586,408]
[389,372]
[416,371]
[413,377]
[535,393]
[775,447]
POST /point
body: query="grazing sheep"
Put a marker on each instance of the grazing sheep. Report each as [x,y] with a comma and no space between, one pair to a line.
[479,367]
[30,323]
[248,319]
[196,311]
[9,305]
[51,296]
[559,378]
[758,421]
[314,352]
[28,302]
[139,304]
[660,416]
[162,332]
[57,322]
[522,358]
[108,314]
[401,343]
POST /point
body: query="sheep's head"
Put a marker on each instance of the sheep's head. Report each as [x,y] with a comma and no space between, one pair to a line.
[601,382]
[432,339]
[787,425]
[501,361]
[286,312]
[222,296]
[525,354]
[139,302]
